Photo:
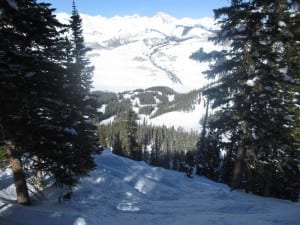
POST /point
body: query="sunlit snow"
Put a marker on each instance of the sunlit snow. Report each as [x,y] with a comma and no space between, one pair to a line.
[122,191]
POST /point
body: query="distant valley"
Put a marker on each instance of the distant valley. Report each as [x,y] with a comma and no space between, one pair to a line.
[134,52]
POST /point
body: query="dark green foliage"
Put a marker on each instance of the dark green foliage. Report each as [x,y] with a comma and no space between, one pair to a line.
[146,98]
[128,135]
[152,101]
[257,96]
[3,157]
[181,102]
[147,110]
[47,111]
[103,136]
[115,108]
[209,161]
[124,133]
[103,97]
[187,165]
[117,145]
[77,140]
[31,71]
[208,152]
[162,89]
[158,146]
[187,101]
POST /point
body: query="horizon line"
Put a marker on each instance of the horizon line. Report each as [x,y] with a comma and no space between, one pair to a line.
[137,14]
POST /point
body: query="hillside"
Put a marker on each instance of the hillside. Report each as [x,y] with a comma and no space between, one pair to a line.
[155,105]
[122,191]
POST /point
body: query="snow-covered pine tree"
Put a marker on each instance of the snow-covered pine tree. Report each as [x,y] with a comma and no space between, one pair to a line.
[256,98]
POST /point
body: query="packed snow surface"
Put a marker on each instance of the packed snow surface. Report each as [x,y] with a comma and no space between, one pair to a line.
[122,191]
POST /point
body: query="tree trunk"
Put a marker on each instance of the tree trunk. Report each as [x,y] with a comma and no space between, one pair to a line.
[238,168]
[203,133]
[38,174]
[18,174]
[202,139]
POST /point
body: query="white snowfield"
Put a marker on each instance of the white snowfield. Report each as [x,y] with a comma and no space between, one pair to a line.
[132,52]
[125,192]
[189,121]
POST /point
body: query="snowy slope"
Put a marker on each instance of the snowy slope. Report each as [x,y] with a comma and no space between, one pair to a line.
[187,120]
[176,109]
[121,191]
[139,52]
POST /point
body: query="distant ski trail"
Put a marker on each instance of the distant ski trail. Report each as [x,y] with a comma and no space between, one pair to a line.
[170,41]
[169,73]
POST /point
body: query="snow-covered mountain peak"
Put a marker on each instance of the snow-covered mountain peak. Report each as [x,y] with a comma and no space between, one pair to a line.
[165,18]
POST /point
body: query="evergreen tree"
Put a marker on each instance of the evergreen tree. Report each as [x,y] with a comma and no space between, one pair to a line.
[67,136]
[29,69]
[103,136]
[80,139]
[129,135]
[117,145]
[81,64]
[41,115]
[155,154]
[208,155]
[256,94]
[125,136]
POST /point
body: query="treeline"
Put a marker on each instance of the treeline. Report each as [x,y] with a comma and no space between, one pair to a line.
[47,112]
[256,119]
[157,145]
[182,102]
[153,101]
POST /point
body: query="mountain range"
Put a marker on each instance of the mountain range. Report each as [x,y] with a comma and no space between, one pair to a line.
[149,58]
[134,52]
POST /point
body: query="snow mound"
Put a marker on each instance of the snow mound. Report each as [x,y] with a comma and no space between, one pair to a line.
[122,191]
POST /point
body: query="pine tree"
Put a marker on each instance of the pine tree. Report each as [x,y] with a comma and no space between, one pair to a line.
[29,73]
[64,137]
[156,148]
[79,138]
[256,94]
[81,64]
[129,135]
[103,136]
[117,145]
[208,155]
[41,115]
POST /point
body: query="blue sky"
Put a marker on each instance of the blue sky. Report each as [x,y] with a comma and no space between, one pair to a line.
[109,8]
